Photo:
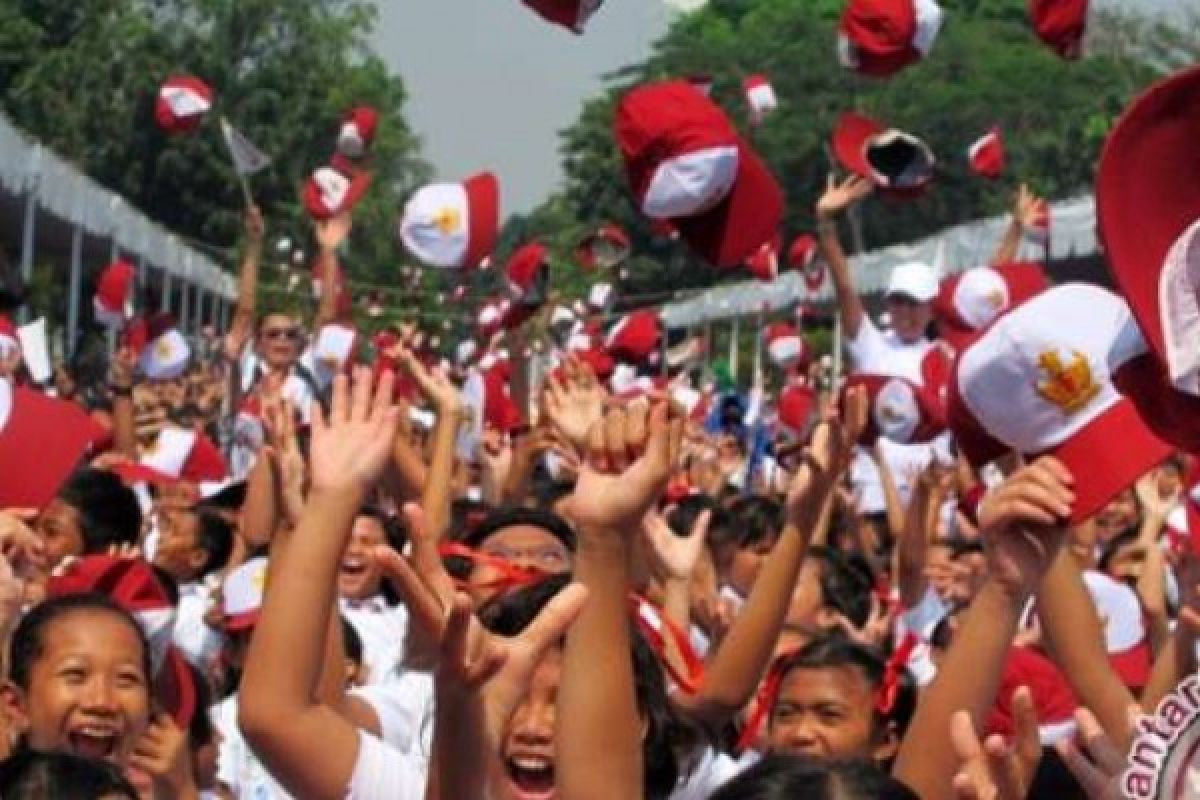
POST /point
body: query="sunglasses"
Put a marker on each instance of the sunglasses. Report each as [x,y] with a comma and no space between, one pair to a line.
[281,333]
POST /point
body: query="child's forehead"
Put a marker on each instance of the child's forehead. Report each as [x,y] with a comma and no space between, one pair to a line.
[97,629]
[836,679]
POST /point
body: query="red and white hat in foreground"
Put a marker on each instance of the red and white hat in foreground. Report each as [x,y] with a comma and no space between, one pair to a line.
[1039,381]
[986,156]
[112,304]
[183,100]
[357,132]
[570,14]
[882,37]
[785,345]
[897,162]
[166,353]
[182,454]
[453,225]
[686,163]
[970,301]
[900,410]
[242,595]
[608,246]
[329,191]
[42,441]
[1061,24]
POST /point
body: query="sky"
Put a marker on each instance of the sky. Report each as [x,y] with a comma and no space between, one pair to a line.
[491,85]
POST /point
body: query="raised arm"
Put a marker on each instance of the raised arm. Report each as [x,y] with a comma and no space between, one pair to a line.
[330,233]
[120,383]
[242,326]
[309,748]
[836,199]
[1025,209]
[444,397]
[599,737]
[1019,523]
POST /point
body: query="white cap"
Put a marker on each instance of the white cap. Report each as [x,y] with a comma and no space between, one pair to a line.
[918,281]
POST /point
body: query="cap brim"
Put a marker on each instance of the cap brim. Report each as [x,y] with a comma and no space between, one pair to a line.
[175,688]
[850,142]
[748,216]
[1107,456]
[42,443]
[242,622]
[1173,415]
[483,217]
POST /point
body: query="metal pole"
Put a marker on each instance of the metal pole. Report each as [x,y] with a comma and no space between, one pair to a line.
[735,329]
[199,313]
[183,306]
[758,350]
[28,232]
[165,304]
[74,290]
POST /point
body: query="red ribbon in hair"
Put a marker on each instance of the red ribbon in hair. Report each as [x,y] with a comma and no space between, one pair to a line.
[768,693]
[655,626]
[885,697]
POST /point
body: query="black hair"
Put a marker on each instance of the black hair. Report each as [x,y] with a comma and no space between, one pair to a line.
[169,585]
[784,777]
[846,583]
[352,642]
[550,492]
[829,651]
[231,498]
[1114,546]
[757,520]
[27,643]
[510,516]
[109,513]
[666,733]
[32,775]
[721,533]
[214,536]
[395,535]
[200,727]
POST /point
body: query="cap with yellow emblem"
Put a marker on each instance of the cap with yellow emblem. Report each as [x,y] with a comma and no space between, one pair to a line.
[453,225]
[166,353]
[1040,382]
[970,301]
[242,594]
[900,410]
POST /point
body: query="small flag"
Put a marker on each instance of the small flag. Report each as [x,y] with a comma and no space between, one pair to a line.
[247,158]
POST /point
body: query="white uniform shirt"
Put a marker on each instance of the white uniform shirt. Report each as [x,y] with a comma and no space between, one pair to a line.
[201,645]
[237,766]
[382,629]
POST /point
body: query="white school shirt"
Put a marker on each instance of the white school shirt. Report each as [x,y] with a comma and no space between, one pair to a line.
[237,766]
[384,773]
[883,353]
[404,706]
[200,644]
[382,629]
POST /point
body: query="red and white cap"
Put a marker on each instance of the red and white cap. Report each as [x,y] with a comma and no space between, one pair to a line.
[914,280]
[882,37]
[329,191]
[42,441]
[357,132]
[760,97]
[1053,699]
[986,156]
[242,594]
[570,14]
[685,163]
[182,454]
[1148,213]
[795,408]
[970,301]
[183,100]
[600,297]
[897,162]
[1124,627]
[606,247]
[166,353]
[335,347]
[1061,24]
[785,345]
[1040,381]
[900,410]
[8,337]
[763,263]
[528,273]
[803,251]
[113,302]
[635,337]
[453,225]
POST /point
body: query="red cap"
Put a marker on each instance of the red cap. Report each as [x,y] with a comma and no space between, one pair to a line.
[900,410]
[986,156]
[606,247]
[328,191]
[785,345]
[882,37]
[763,263]
[570,14]
[1060,24]
[357,132]
[760,97]
[897,162]
[970,301]
[528,272]
[802,252]
[635,337]
[796,405]
[729,204]
[42,441]
[111,302]
[182,102]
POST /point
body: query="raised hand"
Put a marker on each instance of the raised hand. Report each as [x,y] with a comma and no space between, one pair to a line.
[1154,505]
[1021,523]
[1026,207]
[350,449]
[163,754]
[994,769]
[828,456]
[574,403]
[332,232]
[283,448]
[627,463]
[254,224]
[1097,763]
[674,557]
[120,370]
[437,388]
[840,196]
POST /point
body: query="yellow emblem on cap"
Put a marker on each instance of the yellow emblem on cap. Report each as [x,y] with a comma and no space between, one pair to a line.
[448,220]
[259,580]
[1070,386]
[996,299]
[163,349]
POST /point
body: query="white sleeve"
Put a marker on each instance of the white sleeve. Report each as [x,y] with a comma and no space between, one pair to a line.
[401,709]
[384,773]
[867,350]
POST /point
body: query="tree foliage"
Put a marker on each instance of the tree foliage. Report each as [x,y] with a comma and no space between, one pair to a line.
[986,69]
[83,77]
